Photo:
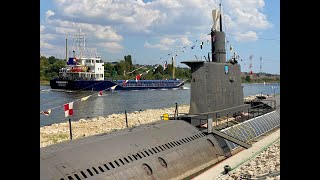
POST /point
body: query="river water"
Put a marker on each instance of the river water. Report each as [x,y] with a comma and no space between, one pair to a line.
[119,101]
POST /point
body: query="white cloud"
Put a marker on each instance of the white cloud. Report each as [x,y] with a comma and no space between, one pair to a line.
[63,30]
[46,45]
[107,33]
[111,47]
[42,28]
[246,15]
[185,41]
[247,36]
[107,21]
[135,15]
[157,46]
[167,41]
[164,44]
[49,13]
[47,37]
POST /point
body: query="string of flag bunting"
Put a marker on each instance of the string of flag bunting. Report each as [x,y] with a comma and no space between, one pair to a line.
[182,49]
[68,107]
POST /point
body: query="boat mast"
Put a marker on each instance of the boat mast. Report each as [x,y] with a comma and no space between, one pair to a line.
[81,42]
[66,50]
[173,69]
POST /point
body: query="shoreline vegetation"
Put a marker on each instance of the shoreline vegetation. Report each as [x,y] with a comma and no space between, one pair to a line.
[49,69]
[270,82]
[59,132]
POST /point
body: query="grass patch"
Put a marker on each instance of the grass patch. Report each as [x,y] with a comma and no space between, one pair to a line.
[55,138]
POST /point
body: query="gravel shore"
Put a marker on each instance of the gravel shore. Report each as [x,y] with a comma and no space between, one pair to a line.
[265,165]
[85,127]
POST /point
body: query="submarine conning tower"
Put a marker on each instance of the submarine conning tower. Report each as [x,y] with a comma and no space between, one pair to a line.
[215,84]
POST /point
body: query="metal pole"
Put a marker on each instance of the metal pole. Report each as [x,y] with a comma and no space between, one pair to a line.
[175,111]
[209,125]
[70,129]
[125,112]
[177,108]
[242,116]
[252,113]
[216,119]
[248,113]
[227,120]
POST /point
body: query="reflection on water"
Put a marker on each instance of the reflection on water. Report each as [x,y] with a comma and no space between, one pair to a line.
[119,101]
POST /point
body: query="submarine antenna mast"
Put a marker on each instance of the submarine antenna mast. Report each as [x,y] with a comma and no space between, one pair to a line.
[173,69]
[220,17]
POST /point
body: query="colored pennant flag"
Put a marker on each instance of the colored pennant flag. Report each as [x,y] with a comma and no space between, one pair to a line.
[165,65]
[114,87]
[85,98]
[138,77]
[100,93]
[47,112]
[68,109]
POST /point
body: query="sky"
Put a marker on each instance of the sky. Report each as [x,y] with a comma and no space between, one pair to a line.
[154,31]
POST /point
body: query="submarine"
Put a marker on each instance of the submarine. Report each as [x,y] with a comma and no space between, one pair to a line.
[218,125]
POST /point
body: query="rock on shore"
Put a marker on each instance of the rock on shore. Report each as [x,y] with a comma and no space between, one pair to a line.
[265,165]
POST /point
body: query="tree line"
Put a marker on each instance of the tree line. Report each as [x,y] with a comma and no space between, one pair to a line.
[124,69]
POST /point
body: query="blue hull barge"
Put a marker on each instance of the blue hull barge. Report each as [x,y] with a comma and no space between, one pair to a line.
[98,85]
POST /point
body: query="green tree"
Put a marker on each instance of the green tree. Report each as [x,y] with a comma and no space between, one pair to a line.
[128,63]
[159,69]
[168,70]
[108,67]
[158,76]
[52,59]
[248,78]
[120,67]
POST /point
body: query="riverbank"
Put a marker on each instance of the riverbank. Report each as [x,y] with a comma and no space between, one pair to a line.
[44,82]
[105,124]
